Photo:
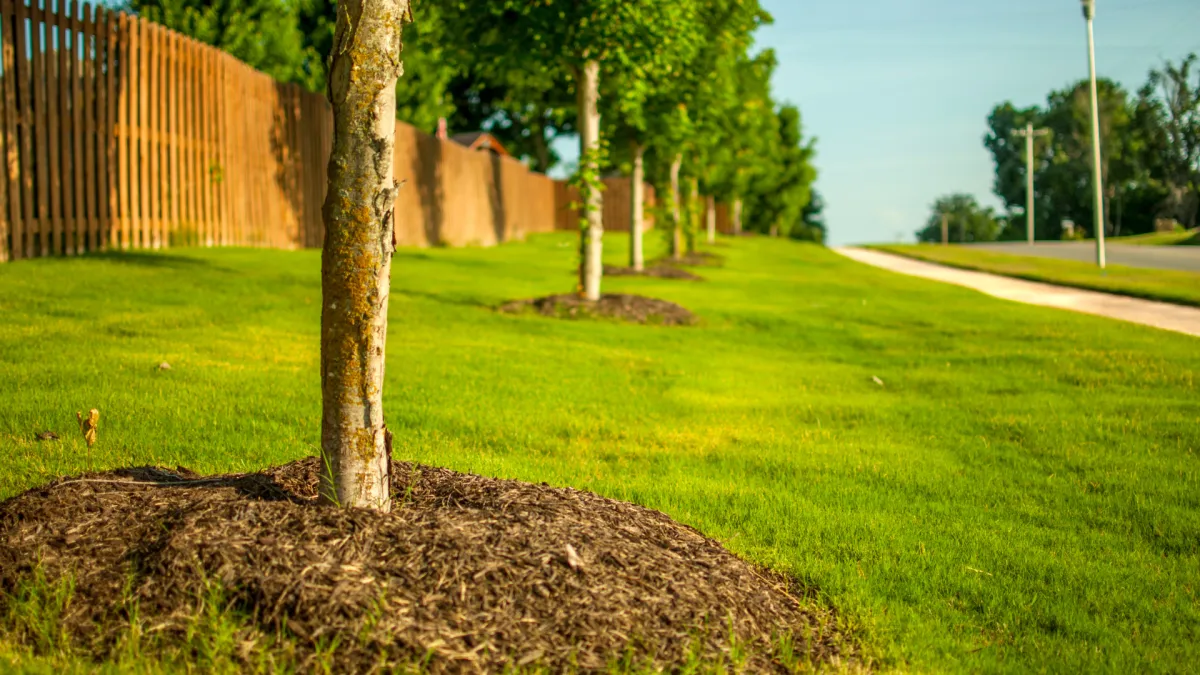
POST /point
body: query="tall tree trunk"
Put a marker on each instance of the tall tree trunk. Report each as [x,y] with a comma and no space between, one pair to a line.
[693,214]
[737,216]
[590,240]
[710,216]
[637,199]
[356,262]
[541,149]
[676,221]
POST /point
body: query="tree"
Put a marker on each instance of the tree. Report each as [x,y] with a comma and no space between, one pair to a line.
[587,39]
[265,34]
[778,197]
[812,220]
[1176,109]
[967,221]
[356,258]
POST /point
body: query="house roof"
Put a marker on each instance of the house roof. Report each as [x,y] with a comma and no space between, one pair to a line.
[480,140]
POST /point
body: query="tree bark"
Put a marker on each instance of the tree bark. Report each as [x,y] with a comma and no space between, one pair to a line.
[710,218]
[637,199]
[590,241]
[693,214]
[676,224]
[737,216]
[357,256]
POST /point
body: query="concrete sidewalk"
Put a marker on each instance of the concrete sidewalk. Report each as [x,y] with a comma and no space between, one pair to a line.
[1158,314]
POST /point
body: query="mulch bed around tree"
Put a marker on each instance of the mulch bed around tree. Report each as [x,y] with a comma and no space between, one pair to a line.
[635,308]
[661,271]
[472,573]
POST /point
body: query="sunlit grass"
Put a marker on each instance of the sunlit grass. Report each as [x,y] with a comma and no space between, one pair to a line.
[1020,494]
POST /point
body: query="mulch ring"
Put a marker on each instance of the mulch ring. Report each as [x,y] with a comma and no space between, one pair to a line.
[634,308]
[696,259]
[466,574]
[661,271]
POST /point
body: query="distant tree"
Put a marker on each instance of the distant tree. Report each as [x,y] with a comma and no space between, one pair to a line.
[812,220]
[968,221]
[776,201]
[1172,99]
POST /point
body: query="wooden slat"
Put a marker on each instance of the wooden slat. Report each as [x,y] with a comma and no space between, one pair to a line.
[210,132]
[162,177]
[222,150]
[151,133]
[91,53]
[54,82]
[12,142]
[79,212]
[106,87]
[141,177]
[189,134]
[42,159]
[176,138]
[126,153]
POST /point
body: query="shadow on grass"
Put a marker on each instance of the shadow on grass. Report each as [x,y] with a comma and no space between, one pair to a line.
[156,260]
[443,298]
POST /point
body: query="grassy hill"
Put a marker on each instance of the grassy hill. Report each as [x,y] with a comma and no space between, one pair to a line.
[1019,494]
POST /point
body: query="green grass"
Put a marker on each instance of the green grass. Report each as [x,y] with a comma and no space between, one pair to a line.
[1020,495]
[1182,288]
[1178,238]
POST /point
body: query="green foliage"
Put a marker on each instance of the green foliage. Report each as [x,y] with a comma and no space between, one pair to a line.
[1150,155]
[776,200]
[967,221]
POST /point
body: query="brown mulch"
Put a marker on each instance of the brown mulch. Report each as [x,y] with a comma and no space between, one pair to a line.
[661,271]
[635,308]
[472,573]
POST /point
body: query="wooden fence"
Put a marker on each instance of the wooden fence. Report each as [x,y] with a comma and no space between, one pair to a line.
[119,133]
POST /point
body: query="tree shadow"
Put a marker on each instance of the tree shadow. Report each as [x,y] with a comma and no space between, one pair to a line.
[427,174]
[151,259]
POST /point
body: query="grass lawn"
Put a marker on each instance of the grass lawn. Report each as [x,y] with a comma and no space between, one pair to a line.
[1181,288]
[1021,494]
[1180,238]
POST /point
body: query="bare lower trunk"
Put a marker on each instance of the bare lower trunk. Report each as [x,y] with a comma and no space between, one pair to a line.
[710,218]
[590,244]
[737,216]
[356,260]
[676,224]
[637,200]
[693,214]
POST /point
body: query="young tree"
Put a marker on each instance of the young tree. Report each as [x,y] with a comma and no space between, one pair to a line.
[357,257]
[589,38]
[1176,100]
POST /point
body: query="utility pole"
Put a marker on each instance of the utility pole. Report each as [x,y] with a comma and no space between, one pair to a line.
[1089,13]
[945,229]
[1028,134]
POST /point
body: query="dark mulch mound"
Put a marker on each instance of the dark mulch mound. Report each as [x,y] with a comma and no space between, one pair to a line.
[472,573]
[661,271]
[635,308]
[697,259]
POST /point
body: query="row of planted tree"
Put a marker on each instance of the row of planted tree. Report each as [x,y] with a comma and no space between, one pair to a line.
[672,93]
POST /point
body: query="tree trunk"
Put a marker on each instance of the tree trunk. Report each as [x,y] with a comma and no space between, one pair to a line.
[590,240]
[637,199]
[693,214]
[356,260]
[737,216]
[676,224]
[710,216]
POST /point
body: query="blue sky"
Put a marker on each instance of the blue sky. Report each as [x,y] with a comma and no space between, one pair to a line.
[898,91]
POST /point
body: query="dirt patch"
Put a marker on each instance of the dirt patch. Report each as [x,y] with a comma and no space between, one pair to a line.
[661,271]
[696,259]
[635,308]
[469,573]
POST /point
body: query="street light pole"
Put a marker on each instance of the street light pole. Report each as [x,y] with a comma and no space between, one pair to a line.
[1028,133]
[1089,13]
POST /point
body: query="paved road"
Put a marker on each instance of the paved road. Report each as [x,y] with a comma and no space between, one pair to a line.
[1160,315]
[1185,258]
